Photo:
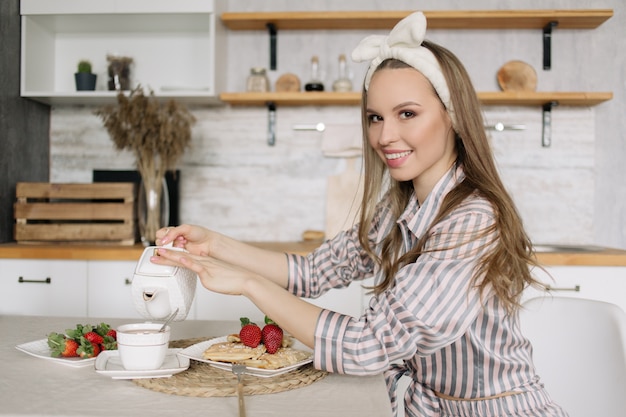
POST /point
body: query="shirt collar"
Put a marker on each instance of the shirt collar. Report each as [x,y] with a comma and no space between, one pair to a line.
[417,218]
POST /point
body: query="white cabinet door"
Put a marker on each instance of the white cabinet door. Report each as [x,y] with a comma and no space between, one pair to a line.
[43,287]
[208,305]
[109,289]
[604,283]
[211,306]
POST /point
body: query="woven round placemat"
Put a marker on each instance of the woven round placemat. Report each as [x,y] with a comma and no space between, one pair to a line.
[204,380]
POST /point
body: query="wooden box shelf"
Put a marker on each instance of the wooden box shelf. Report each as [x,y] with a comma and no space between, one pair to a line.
[96,213]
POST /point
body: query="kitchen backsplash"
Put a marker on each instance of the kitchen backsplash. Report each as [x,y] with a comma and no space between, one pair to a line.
[232,181]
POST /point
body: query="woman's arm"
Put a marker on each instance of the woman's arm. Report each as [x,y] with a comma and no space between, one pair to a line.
[200,241]
[293,314]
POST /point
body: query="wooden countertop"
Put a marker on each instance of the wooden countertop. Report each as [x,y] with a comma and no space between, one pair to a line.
[602,257]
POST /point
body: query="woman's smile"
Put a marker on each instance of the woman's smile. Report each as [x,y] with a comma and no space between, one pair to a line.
[396,158]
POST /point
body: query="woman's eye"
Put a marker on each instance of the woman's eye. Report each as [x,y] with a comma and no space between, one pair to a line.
[406,114]
[373,118]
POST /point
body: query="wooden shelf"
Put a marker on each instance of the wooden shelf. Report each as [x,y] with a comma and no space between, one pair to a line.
[467,19]
[354,98]
[458,19]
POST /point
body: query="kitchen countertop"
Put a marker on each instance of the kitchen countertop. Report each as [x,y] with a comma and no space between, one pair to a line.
[560,256]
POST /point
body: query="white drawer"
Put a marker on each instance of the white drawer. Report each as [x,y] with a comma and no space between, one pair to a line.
[603,283]
[43,287]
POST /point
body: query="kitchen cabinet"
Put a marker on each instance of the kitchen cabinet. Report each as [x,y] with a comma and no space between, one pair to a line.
[176,48]
[211,306]
[543,20]
[603,283]
[109,289]
[36,287]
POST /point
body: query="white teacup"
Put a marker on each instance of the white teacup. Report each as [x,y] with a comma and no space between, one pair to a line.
[141,346]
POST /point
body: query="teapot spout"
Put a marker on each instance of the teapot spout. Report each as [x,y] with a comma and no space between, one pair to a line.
[157,303]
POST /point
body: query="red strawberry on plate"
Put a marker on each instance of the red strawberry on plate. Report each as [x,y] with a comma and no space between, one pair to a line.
[94,337]
[87,349]
[62,346]
[250,333]
[272,336]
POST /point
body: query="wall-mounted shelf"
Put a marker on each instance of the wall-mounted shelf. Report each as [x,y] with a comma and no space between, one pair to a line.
[458,19]
[546,20]
[353,99]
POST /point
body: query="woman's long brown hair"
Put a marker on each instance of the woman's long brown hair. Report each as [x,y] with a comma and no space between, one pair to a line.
[506,267]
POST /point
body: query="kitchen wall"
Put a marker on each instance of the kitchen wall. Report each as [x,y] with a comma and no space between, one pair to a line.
[24,124]
[232,181]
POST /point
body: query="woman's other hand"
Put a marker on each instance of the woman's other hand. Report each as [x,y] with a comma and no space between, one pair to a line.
[196,240]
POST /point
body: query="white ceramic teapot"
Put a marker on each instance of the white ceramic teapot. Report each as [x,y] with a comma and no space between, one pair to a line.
[158,290]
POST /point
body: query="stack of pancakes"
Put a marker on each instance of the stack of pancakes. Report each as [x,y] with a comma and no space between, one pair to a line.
[233,351]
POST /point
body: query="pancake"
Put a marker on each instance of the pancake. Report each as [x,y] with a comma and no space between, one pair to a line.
[232,352]
[282,358]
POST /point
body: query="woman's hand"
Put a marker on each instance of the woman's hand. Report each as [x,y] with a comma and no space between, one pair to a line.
[293,314]
[194,239]
[244,257]
[215,275]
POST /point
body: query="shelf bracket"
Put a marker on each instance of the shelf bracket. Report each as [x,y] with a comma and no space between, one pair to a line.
[547,44]
[546,128]
[271,29]
[271,123]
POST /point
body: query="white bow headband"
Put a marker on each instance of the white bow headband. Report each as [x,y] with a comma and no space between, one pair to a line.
[404,43]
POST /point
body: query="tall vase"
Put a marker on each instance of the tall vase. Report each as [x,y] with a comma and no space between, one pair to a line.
[153,209]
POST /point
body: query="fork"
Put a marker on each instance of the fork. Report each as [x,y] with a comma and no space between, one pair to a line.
[239,371]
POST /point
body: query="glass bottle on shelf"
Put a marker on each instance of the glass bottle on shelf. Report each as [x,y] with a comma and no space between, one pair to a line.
[342,83]
[315,84]
[257,80]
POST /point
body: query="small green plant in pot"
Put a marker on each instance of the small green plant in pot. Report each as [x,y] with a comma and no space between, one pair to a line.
[85,79]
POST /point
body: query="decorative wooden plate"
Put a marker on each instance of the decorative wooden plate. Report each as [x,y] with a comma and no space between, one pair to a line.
[517,76]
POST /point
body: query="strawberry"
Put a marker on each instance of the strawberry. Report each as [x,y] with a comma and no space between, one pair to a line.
[87,349]
[250,333]
[77,332]
[62,346]
[109,343]
[104,329]
[272,336]
[112,333]
[94,337]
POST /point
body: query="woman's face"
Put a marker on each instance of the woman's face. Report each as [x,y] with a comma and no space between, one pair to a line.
[409,128]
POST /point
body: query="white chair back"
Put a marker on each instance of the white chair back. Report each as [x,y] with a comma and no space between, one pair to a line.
[579,351]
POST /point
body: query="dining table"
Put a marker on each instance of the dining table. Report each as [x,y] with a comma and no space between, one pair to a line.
[34,386]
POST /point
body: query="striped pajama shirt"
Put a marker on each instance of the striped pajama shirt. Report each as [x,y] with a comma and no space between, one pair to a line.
[432,324]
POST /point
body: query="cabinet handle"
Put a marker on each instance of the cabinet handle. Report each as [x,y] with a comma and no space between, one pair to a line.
[575,288]
[127,281]
[36,281]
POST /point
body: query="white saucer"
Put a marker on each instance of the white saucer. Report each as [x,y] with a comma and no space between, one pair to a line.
[108,363]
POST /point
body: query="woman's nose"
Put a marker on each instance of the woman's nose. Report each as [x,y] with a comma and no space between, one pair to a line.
[387,134]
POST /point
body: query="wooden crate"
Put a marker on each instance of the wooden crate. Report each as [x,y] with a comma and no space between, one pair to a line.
[98,213]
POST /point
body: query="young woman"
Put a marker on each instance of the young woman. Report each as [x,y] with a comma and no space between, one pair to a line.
[437,230]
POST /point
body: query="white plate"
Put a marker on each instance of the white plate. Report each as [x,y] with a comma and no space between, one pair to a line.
[108,363]
[40,349]
[195,352]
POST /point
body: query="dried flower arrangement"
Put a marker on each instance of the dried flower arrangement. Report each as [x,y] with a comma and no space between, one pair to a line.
[157,135]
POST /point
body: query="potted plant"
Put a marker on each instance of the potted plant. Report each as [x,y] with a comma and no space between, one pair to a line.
[157,134]
[85,79]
